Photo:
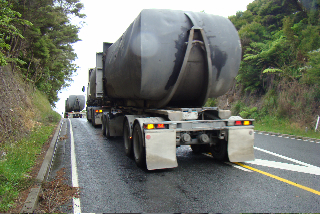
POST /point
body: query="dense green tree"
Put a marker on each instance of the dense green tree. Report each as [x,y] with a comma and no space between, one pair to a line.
[47,48]
[9,19]
[281,57]
[313,69]
[276,37]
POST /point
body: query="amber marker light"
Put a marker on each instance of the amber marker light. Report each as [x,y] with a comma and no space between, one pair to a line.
[149,126]
[246,122]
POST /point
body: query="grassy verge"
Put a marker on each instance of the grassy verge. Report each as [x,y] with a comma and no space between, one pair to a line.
[16,164]
[285,126]
[272,116]
[19,156]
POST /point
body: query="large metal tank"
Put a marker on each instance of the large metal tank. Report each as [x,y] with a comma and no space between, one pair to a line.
[172,58]
[75,103]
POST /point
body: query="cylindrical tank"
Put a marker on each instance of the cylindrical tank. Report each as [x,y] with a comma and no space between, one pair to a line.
[146,61]
[75,103]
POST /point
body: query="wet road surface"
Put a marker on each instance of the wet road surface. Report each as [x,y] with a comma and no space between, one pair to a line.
[111,182]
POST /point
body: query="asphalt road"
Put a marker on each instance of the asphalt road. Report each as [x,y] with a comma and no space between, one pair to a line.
[111,182]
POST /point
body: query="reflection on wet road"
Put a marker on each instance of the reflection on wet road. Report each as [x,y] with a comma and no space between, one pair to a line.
[111,182]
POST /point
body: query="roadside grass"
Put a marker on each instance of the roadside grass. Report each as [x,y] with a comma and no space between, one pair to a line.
[16,164]
[278,118]
[44,113]
[285,126]
[18,157]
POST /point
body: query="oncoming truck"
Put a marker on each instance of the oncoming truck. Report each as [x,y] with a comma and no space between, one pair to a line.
[150,87]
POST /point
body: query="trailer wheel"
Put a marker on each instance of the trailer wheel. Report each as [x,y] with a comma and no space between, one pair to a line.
[138,149]
[220,151]
[107,131]
[93,120]
[103,125]
[200,148]
[126,138]
[87,116]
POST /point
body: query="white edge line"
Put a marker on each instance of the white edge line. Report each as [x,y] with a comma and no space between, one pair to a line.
[231,164]
[284,157]
[74,173]
[286,166]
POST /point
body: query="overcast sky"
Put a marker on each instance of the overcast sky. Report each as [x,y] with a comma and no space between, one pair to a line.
[107,19]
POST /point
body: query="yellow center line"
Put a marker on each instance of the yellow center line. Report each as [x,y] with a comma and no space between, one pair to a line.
[280,179]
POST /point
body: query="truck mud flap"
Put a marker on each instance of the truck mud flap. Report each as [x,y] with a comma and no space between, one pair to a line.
[160,149]
[240,145]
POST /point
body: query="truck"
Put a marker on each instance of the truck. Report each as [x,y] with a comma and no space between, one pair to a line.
[74,105]
[95,93]
[150,87]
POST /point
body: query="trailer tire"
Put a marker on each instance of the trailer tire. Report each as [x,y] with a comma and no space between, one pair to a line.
[107,131]
[138,149]
[87,116]
[200,148]
[126,138]
[103,125]
[93,120]
[220,150]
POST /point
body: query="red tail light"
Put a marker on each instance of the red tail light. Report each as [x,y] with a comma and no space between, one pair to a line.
[161,126]
[237,123]
[243,123]
[155,126]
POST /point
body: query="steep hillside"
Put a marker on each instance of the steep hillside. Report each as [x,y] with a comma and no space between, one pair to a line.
[26,124]
[17,114]
[22,106]
[279,74]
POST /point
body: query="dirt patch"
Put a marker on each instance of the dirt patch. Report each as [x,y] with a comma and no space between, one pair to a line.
[55,194]
[15,106]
